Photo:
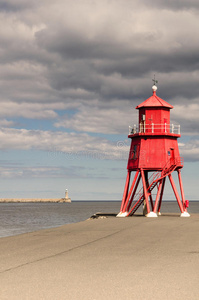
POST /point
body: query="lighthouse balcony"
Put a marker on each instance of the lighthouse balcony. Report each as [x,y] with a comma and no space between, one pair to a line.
[153,128]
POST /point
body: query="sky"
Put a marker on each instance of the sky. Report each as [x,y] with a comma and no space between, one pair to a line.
[71,75]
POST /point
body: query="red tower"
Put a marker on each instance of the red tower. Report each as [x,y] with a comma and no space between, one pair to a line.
[154,156]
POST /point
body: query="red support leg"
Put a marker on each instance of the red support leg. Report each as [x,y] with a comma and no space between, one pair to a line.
[185,213]
[157,196]
[125,189]
[135,189]
[161,195]
[151,201]
[147,184]
[176,193]
[181,189]
[130,192]
[145,191]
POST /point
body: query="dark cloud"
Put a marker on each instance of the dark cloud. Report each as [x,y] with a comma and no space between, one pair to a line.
[177,5]
[77,74]
[91,61]
[76,45]
[15,5]
[141,63]
[74,53]
[179,91]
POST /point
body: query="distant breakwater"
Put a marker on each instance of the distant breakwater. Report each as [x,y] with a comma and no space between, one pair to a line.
[36,200]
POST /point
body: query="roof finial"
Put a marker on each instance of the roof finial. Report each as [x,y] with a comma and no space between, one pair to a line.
[154,80]
[154,87]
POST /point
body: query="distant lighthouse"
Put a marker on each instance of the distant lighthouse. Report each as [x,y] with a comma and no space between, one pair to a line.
[66,199]
[153,156]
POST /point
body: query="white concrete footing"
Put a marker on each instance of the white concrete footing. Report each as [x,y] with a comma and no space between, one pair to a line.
[122,214]
[185,214]
[151,215]
[159,214]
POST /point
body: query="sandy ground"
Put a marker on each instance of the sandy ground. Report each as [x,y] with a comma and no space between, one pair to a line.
[112,258]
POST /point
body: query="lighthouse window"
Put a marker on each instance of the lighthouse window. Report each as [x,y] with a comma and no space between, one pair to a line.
[134,154]
[169,153]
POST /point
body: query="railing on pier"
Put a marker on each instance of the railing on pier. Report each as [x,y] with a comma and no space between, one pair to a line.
[154,128]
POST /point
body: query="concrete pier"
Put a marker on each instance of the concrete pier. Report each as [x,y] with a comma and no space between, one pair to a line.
[34,200]
[106,258]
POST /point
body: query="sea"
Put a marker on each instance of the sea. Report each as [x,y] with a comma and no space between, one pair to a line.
[19,218]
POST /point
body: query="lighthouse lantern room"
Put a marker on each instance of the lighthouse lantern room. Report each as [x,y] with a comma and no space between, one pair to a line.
[153,156]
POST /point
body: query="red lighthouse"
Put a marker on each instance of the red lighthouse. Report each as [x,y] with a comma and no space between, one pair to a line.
[153,156]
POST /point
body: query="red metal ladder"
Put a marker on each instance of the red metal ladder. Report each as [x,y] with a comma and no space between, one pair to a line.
[169,167]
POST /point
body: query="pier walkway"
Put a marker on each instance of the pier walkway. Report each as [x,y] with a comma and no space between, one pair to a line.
[103,259]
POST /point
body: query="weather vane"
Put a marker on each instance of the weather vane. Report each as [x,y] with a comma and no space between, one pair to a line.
[155,81]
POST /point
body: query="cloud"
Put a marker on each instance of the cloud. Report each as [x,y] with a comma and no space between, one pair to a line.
[187,116]
[173,5]
[109,118]
[35,172]
[190,151]
[75,146]
[6,123]
[110,51]
[84,65]
[28,110]
[13,6]
[113,62]
[72,145]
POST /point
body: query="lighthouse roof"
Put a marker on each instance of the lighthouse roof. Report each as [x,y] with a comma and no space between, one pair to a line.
[154,101]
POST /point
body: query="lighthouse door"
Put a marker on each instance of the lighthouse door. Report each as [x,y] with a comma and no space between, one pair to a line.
[172,155]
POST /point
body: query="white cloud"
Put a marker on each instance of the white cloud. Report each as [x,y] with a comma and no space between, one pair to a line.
[6,123]
[109,118]
[28,110]
[190,150]
[33,172]
[187,116]
[73,145]
[187,112]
